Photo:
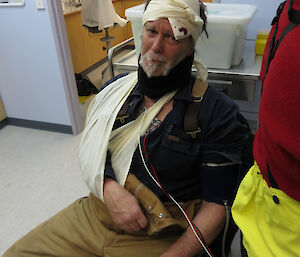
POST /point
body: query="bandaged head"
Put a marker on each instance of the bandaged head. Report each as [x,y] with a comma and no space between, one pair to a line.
[183,16]
[184,19]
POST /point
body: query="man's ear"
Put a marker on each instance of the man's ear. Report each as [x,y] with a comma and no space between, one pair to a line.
[191,46]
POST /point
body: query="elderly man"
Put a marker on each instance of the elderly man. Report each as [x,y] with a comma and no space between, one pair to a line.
[137,157]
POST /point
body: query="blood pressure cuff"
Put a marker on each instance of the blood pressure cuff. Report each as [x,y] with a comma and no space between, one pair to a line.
[219,184]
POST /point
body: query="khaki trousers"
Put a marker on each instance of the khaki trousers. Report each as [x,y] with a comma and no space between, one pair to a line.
[85,228]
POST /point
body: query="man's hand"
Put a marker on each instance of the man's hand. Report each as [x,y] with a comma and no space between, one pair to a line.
[123,207]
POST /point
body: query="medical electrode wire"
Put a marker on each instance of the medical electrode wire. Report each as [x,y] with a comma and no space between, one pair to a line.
[167,194]
[226,228]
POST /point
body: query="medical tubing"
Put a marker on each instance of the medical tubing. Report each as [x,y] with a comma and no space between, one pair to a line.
[168,195]
[200,234]
[226,228]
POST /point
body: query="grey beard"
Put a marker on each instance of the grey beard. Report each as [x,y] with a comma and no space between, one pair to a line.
[151,68]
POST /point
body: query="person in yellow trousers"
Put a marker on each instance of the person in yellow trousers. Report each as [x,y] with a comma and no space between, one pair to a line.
[267,205]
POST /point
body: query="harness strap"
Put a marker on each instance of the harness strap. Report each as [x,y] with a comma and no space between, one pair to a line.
[271,178]
[294,17]
[271,52]
[288,28]
[123,113]
[191,125]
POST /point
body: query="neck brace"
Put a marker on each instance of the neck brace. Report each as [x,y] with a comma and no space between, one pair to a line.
[156,87]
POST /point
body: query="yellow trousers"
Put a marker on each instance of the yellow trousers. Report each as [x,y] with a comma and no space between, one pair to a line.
[86,229]
[268,218]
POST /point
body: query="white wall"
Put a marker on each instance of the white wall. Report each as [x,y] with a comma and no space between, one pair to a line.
[31,83]
[263,18]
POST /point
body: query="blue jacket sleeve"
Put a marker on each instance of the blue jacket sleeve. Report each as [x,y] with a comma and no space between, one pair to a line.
[109,171]
[225,130]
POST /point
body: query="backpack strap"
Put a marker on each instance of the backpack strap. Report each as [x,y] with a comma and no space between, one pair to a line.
[191,126]
[272,43]
[294,17]
[123,113]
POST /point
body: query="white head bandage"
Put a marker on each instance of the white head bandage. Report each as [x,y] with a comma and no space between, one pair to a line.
[183,16]
[184,19]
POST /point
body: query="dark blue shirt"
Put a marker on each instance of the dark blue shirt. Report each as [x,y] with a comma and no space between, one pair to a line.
[181,165]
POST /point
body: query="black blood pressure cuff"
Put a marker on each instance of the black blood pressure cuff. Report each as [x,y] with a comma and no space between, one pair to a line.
[219,184]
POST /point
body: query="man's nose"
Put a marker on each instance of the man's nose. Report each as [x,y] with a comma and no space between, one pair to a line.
[158,44]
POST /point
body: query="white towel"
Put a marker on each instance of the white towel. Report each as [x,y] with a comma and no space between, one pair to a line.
[100,13]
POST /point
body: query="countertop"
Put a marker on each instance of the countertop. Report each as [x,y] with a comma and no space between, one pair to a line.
[69,9]
[249,66]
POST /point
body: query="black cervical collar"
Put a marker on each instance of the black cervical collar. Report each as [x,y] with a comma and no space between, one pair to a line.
[156,87]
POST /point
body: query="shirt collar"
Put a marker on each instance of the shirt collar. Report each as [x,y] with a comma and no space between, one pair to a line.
[137,91]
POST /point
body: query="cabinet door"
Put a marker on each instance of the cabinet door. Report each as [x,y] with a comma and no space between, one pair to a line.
[2,113]
[86,48]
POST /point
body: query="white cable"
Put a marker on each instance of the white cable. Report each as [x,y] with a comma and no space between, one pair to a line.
[178,205]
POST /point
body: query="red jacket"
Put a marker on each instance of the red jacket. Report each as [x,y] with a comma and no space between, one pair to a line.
[277,141]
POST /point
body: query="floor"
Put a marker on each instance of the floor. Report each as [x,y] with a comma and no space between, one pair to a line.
[39,176]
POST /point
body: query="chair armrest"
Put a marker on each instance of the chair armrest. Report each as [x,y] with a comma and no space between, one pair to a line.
[111,53]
